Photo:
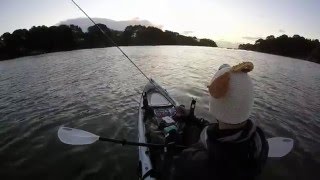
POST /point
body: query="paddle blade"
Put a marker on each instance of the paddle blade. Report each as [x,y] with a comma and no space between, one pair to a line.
[279,146]
[76,136]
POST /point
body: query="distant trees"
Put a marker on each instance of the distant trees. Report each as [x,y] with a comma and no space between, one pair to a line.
[42,39]
[95,39]
[207,42]
[141,35]
[295,46]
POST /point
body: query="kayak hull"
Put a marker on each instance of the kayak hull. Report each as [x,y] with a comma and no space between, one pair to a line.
[157,98]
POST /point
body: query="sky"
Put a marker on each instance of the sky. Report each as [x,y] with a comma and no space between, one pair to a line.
[237,21]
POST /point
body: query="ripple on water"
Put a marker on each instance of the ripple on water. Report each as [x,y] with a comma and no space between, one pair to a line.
[98,90]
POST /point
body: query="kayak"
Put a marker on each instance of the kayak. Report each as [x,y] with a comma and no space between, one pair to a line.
[156,108]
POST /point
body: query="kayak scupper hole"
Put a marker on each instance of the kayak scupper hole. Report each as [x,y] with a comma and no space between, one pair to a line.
[68,129]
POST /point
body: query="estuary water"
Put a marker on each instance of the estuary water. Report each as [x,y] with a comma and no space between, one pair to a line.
[97,90]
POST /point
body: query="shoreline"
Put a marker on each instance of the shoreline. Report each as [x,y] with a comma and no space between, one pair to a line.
[43,53]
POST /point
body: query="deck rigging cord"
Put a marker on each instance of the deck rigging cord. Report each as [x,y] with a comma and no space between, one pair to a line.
[104,33]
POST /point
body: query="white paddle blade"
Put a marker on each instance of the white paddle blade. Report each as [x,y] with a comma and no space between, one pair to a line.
[76,136]
[279,146]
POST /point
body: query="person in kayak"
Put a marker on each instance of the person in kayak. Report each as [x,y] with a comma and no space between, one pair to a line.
[233,148]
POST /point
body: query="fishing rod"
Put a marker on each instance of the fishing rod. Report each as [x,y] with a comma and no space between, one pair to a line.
[115,44]
[110,39]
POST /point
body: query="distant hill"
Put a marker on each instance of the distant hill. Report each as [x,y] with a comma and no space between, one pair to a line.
[84,23]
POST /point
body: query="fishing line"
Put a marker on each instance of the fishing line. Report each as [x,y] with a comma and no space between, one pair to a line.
[109,38]
[105,34]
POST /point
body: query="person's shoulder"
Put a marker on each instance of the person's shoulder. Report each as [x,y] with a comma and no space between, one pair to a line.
[261,133]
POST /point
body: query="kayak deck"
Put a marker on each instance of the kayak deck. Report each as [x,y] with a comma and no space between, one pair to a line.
[163,121]
[162,105]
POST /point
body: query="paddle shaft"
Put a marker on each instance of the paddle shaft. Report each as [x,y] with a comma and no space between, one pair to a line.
[125,142]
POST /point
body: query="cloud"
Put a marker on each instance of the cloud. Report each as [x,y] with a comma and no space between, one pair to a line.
[282,31]
[136,19]
[187,32]
[251,38]
[84,23]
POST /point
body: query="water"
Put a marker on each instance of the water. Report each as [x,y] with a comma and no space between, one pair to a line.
[97,90]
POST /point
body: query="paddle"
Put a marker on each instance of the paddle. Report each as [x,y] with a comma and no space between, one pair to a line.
[278,146]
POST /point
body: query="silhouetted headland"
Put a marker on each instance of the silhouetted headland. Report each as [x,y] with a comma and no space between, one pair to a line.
[42,39]
[295,46]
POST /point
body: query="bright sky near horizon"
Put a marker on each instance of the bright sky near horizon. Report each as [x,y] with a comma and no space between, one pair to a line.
[220,20]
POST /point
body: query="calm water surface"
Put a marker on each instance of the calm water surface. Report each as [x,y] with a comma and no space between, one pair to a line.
[98,89]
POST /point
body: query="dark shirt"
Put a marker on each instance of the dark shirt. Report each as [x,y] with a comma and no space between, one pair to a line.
[223,154]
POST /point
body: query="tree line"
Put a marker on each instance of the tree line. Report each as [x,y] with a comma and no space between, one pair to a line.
[295,46]
[43,39]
